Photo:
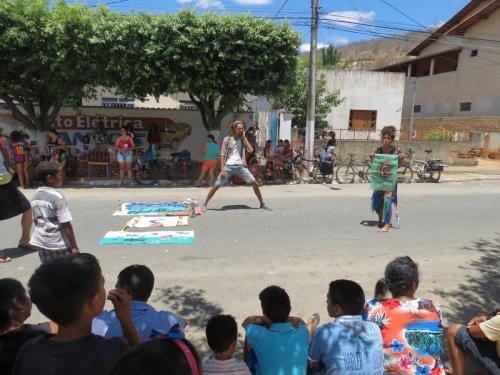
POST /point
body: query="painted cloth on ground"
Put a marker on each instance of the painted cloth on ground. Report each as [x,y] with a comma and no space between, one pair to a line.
[148,238]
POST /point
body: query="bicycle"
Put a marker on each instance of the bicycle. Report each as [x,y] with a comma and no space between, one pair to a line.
[405,171]
[428,170]
[347,173]
[323,171]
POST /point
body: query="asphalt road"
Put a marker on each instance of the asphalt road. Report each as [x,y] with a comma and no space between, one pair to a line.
[314,234]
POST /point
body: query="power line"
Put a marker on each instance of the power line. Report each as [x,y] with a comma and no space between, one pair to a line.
[279,10]
[401,12]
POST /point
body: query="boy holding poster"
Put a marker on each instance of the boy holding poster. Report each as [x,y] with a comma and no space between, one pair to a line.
[385,161]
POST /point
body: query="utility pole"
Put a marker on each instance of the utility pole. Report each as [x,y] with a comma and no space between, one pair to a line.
[311,95]
[412,112]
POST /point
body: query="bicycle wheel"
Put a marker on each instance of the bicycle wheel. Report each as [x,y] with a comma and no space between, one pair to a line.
[405,174]
[147,174]
[433,176]
[345,174]
[367,174]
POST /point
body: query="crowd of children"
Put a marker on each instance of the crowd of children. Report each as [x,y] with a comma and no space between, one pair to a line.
[396,333]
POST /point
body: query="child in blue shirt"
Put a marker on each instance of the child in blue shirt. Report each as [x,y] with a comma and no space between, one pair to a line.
[280,342]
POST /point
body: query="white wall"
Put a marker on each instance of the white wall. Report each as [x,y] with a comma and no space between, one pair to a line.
[476,80]
[377,91]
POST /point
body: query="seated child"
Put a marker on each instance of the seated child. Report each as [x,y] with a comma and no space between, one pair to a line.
[222,333]
[160,356]
[138,281]
[53,236]
[348,345]
[280,347]
[15,309]
[70,292]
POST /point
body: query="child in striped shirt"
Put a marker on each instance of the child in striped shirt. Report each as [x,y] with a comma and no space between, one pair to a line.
[222,333]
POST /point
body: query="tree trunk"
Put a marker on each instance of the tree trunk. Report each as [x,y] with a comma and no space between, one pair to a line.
[211,118]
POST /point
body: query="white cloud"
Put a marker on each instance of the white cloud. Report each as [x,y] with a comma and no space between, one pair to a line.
[339,40]
[253,2]
[350,18]
[204,4]
[307,46]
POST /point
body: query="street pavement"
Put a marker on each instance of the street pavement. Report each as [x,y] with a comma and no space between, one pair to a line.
[313,235]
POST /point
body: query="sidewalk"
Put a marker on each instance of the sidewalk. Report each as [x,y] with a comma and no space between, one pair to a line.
[467,173]
[450,174]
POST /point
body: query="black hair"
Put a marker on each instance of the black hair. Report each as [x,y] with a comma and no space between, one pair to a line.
[221,332]
[15,136]
[52,130]
[275,304]
[400,276]
[348,295]
[212,138]
[10,289]
[46,168]
[388,130]
[157,356]
[61,287]
[139,279]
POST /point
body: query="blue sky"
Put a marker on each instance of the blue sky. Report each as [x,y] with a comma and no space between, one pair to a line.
[340,18]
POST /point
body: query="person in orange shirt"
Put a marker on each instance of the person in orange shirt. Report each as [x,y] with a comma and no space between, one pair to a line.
[411,327]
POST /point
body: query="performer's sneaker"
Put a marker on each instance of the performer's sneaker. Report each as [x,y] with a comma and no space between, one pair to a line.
[203,208]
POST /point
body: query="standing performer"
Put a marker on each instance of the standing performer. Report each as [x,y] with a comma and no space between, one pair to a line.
[382,200]
[233,161]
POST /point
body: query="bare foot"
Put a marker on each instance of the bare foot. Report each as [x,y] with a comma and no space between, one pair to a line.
[378,225]
[385,229]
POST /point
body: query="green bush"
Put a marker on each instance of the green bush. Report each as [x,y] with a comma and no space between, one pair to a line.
[440,134]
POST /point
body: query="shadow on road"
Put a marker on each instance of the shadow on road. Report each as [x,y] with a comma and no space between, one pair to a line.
[191,305]
[480,290]
[16,252]
[234,207]
[369,223]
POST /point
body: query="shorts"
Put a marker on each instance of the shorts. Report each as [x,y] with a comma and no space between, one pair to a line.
[482,352]
[49,255]
[20,159]
[207,164]
[124,157]
[235,170]
[12,201]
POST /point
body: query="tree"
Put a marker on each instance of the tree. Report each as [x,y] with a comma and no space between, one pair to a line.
[295,98]
[216,59]
[330,57]
[48,57]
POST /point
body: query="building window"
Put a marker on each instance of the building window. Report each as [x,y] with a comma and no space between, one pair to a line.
[118,102]
[417,108]
[465,106]
[474,53]
[362,120]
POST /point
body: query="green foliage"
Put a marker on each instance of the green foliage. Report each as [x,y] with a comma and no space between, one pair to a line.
[295,98]
[52,53]
[216,59]
[330,57]
[48,55]
[439,134]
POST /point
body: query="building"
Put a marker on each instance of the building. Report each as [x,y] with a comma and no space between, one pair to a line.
[371,100]
[454,75]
